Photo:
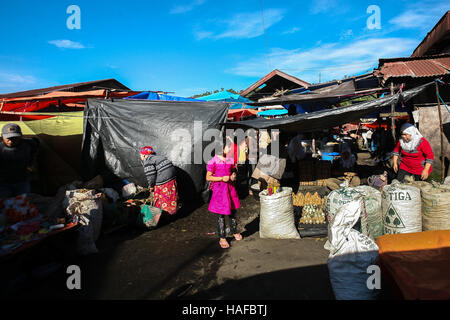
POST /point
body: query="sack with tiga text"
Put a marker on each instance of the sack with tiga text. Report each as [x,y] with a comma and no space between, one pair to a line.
[401,208]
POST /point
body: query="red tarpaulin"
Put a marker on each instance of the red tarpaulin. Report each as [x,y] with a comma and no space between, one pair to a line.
[37,103]
[237,114]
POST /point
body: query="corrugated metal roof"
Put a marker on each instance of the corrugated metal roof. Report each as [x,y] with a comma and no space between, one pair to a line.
[76,87]
[436,39]
[414,67]
[276,74]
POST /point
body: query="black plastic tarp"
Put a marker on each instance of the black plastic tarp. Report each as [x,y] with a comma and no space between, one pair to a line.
[116,130]
[324,119]
[332,93]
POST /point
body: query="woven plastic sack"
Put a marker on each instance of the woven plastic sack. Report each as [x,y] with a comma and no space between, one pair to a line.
[86,207]
[337,198]
[435,206]
[277,215]
[129,190]
[149,216]
[351,254]
[371,217]
[401,208]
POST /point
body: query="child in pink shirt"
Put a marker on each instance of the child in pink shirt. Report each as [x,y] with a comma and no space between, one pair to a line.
[221,173]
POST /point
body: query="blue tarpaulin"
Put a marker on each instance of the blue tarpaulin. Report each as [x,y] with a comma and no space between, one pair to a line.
[303,108]
[158,96]
[226,96]
[273,113]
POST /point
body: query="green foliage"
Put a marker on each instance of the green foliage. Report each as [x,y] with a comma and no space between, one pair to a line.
[359,99]
[207,93]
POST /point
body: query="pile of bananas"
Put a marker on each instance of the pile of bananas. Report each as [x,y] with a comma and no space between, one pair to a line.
[300,200]
[312,214]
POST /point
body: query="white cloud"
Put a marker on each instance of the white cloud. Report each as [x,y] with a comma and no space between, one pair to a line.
[12,82]
[421,16]
[244,25]
[15,79]
[332,60]
[291,31]
[67,44]
[186,8]
[346,34]
[203,34]
[319,6]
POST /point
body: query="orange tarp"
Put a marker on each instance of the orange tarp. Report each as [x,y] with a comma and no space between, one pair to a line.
[36,103]
[66,94]
[418,263]
[236,114]
[61,94]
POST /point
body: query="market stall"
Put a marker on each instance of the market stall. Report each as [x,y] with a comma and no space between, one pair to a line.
[23,225]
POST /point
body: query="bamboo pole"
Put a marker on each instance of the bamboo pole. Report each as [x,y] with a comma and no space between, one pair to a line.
[442,134]
[392,113]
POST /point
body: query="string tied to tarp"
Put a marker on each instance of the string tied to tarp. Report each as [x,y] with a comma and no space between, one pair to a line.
[439,96]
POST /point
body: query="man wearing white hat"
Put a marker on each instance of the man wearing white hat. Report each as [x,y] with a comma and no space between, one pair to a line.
[16,157]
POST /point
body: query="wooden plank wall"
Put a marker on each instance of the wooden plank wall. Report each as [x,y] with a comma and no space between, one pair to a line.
[429,128]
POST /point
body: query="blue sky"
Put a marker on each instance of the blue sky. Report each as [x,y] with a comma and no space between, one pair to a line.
[191,46]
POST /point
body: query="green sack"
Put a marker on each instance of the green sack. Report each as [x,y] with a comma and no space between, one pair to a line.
[149,216]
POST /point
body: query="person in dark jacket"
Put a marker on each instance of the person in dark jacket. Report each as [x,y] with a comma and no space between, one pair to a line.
[16,160]
[161,177]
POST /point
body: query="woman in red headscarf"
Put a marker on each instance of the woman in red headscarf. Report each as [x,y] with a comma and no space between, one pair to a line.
[161,177]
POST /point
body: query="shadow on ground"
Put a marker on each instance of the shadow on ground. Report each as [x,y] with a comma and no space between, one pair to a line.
[301,283]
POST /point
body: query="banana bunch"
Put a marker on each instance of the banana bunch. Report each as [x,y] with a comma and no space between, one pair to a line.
[313,199]
[324,202]
[297,199]
[312,214]
[300,200]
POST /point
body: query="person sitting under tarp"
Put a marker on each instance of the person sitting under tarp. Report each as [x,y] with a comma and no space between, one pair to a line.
[17,156]
[346,171]
[161,177]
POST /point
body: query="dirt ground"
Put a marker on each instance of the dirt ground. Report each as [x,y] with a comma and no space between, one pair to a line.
[181,259]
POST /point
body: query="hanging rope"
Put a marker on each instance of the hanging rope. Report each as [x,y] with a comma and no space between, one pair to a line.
[437,92]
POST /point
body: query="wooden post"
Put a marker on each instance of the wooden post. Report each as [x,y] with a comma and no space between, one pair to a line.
[257,146]
[392,113]
[442,134]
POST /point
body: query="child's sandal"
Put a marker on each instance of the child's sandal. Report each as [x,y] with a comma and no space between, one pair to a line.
[224,244]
